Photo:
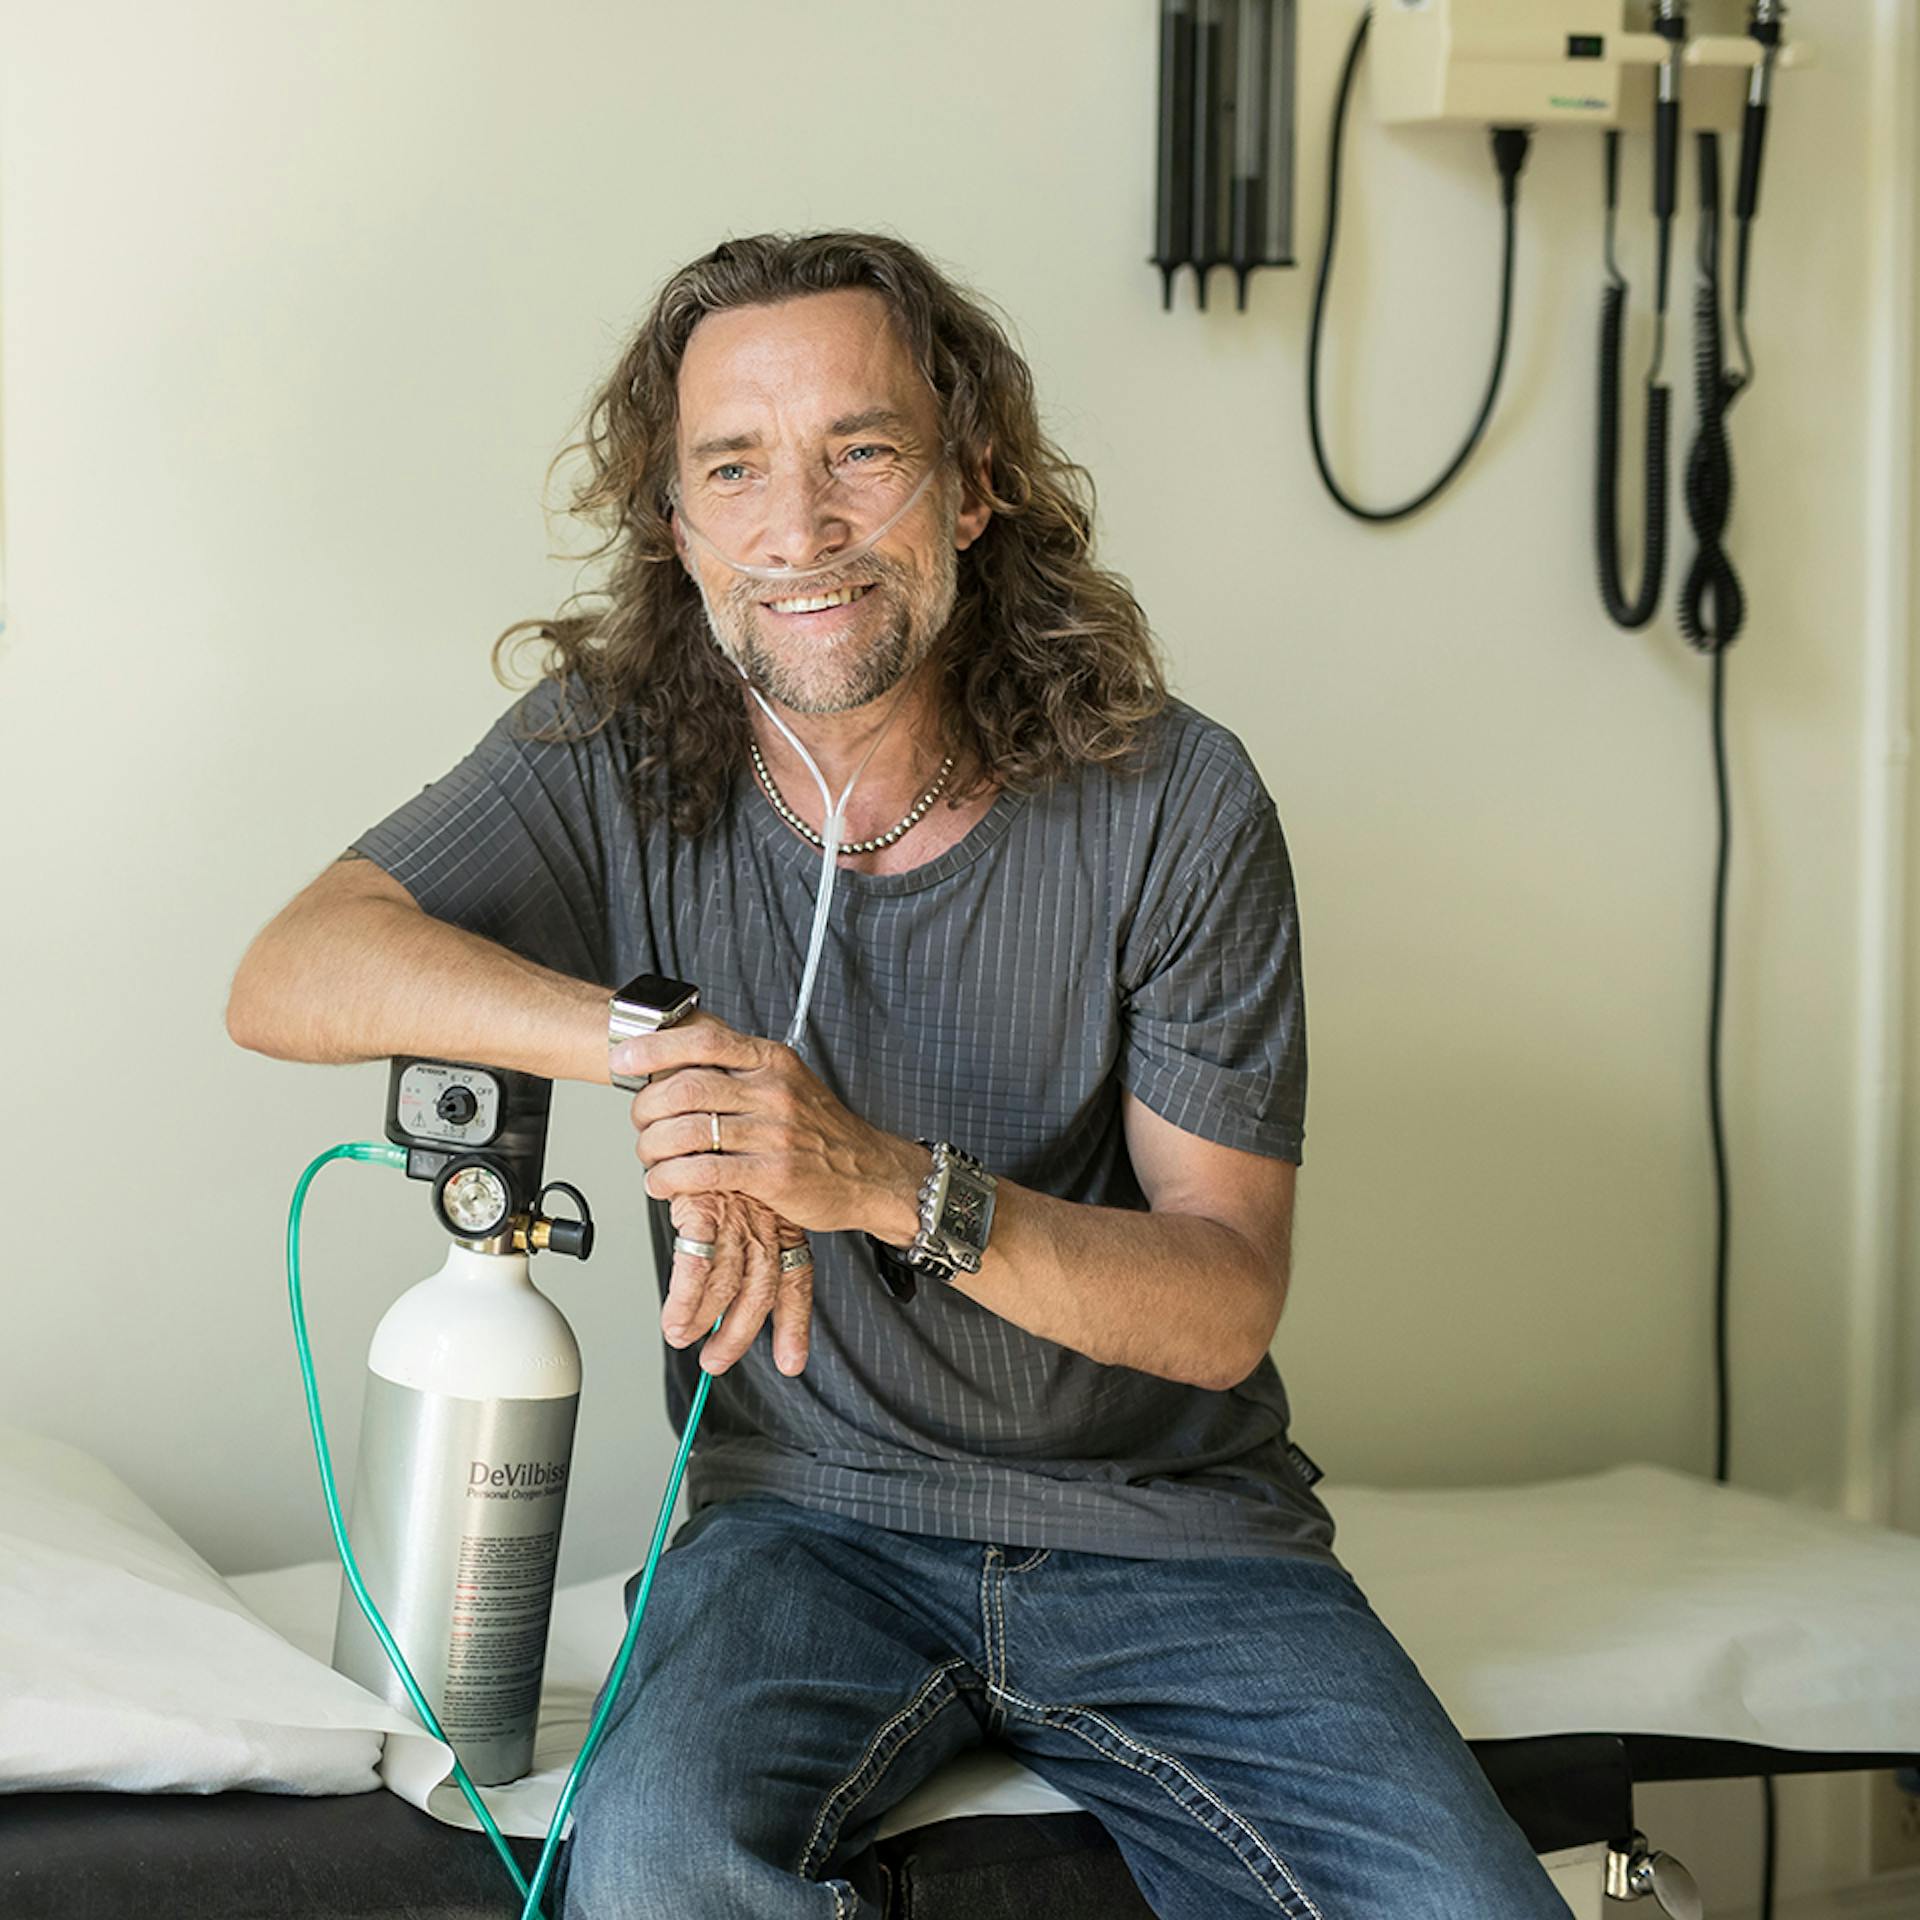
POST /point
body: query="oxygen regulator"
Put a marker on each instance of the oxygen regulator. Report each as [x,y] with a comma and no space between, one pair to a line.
[479,1134]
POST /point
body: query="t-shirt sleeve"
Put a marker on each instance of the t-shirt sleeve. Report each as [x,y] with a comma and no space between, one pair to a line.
[510,844]
[1215,1012]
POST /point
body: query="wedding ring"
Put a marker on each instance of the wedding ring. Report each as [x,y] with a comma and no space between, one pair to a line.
[717,1147]
[792,1259]
[700,1249]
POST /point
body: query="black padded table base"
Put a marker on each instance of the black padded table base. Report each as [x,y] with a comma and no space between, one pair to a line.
[1659,1756]
[244,1856]
[251,1856]
[1561,1793]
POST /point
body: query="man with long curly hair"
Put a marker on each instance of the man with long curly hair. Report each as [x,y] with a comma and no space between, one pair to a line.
[1015,1470]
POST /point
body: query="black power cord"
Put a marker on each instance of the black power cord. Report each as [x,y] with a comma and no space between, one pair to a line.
[1510,146]
[1713,609]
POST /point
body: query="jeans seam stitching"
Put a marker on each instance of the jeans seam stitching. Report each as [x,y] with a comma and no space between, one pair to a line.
[989,1591]
[1000,1615]
[986,1617]
[1058,1716]
[882,1750]
[1028,1565]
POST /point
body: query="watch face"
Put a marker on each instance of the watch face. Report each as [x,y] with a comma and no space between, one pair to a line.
[669,997]
[965,1214]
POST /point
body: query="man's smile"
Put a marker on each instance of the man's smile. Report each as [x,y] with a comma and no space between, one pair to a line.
[817,609]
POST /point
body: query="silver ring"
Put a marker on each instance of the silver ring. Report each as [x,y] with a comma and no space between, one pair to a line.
[700,1249]
[717,1147]
[792,1259]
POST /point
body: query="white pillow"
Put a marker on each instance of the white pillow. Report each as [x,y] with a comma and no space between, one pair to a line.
[128,1664]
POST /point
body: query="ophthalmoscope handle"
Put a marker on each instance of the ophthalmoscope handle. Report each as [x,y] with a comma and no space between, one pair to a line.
[1753,133]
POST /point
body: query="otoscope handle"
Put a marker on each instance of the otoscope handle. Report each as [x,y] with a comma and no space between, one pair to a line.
[1707,159]
[1670,23]
[1666,157]
[1753,134]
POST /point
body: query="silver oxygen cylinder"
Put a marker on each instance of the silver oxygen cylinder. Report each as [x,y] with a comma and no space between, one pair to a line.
[466,1442]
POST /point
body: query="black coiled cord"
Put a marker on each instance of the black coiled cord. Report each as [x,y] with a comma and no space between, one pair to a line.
[1630,613]
[1713,607]
[1634,613]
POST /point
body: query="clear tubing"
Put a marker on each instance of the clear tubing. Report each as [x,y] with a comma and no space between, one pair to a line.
[830,832]
[843,557]
[834,825]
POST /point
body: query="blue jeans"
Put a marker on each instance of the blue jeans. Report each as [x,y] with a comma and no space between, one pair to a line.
[1249,1733]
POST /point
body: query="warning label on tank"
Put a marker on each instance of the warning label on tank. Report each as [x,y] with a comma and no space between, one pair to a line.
[502,1588]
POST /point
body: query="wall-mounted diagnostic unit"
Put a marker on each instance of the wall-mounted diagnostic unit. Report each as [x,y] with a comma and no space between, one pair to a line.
[1543,62]
[1226,187]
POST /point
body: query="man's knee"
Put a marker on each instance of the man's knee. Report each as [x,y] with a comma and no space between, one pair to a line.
[634,1864]
[655,1833]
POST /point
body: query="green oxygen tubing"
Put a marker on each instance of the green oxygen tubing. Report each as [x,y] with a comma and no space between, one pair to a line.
[379,1154]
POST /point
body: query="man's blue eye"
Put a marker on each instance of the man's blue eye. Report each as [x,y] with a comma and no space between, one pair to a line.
[871,446]
[725,472]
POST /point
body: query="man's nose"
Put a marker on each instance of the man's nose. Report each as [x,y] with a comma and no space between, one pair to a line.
[806,519]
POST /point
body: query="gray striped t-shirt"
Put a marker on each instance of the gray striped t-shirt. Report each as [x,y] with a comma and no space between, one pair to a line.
[1123,928]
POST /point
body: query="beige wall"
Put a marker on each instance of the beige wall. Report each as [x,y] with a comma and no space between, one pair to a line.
[300,300]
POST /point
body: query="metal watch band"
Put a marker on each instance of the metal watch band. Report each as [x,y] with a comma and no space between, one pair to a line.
[626,1018]
[956,1216]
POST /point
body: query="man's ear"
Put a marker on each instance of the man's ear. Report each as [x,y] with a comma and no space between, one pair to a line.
[971,521]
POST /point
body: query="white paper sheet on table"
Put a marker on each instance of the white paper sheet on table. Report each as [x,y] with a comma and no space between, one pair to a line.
[1645,1601]
[1633,1601]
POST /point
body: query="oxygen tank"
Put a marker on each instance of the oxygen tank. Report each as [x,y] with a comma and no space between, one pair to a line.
[466,1440]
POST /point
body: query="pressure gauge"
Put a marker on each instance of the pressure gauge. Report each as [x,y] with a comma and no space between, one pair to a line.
[473,1199]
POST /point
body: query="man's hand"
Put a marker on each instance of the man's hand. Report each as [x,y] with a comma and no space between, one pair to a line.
[784,1139]
[743,1280]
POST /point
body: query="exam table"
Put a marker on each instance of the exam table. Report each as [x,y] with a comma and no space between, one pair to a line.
[247,1856]
[1588,1635]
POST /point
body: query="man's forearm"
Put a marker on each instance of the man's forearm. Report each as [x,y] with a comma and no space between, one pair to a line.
[332,981]
[1169,1293]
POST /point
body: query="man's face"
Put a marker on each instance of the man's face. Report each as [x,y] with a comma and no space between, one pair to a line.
[803,426]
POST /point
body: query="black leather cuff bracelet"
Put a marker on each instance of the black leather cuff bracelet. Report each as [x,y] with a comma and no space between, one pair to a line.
[896,1275]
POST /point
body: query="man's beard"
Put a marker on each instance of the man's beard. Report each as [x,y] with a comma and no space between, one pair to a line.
[846,674]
